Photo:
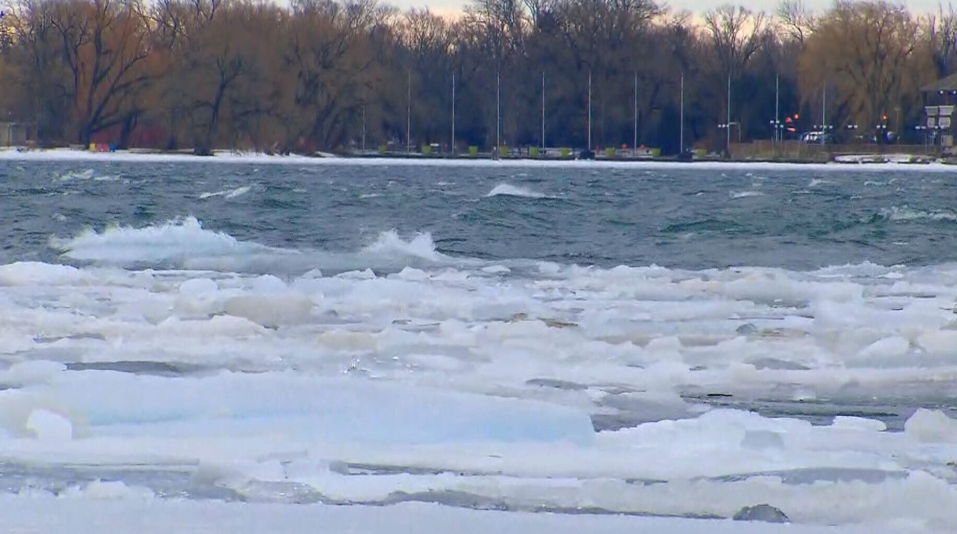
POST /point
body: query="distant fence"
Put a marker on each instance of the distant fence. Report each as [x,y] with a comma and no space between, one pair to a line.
[16,133]
[802,150]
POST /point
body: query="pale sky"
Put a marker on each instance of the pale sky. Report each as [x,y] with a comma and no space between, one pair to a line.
[771,6]
[698,6]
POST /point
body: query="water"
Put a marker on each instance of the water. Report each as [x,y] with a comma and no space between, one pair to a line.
[672,341]
[591,216]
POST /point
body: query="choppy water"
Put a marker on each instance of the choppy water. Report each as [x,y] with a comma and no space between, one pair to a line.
[683,218]
[681,341]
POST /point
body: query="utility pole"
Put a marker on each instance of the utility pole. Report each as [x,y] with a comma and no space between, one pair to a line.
[543,109]
[498,112]
[634,146]
[681,127]
[824,113]
[408,116]
[452,144]
[777,108]
[589,110]
[728,142]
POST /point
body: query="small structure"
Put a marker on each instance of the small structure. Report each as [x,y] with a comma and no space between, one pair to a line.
[16,133]
[940,101]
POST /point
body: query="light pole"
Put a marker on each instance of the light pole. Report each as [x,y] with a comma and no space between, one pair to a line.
[881,128]
[727,127]
[452,144]
[681,127]
[634,146]
[823,108]
[408,116]
[589,111]
[851,128]
[922,131]
[498,113]
[777,108]
[728,123]
[776,126]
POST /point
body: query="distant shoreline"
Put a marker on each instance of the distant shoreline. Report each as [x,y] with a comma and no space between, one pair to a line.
[861,162]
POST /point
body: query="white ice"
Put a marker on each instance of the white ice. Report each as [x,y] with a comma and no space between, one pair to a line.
[472,384]
[894,163]
[92,511]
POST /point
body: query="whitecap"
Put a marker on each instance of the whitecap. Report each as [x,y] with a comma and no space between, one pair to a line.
[514,191]
[745,194]
[227,193]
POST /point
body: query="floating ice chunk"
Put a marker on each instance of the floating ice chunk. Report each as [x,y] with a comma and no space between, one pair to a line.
[496,269]
[236,473]
[761,512]
[344,340]
[669,344]
[25,273]
[931,426]
[943,342]
[268,283]
[198,286]
[49,426]
[365,274]
[547,267]
[888,347]
[762,439]
[858,423]
[311,408]
[224,325]
[30,416]
[102,490]
[270,310]
[311,274]
[412,274]
[30,372]
[197,298]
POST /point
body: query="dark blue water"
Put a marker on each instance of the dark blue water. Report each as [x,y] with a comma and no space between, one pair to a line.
[687,217]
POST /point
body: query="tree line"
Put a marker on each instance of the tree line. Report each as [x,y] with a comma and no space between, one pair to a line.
[343,74]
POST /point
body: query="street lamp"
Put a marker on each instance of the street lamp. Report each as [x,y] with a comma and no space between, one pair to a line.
[727,126]
[851,129]
[777,126]
[923,131]
[881,127]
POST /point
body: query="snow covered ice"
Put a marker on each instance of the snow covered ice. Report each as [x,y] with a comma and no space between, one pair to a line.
[176,373]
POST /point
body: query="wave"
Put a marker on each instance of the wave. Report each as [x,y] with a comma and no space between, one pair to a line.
[515,191]
[228,193]
[77,175]
[390,244]
[745,194]
[170,241]
[183,243]
[702,225]
[904,214]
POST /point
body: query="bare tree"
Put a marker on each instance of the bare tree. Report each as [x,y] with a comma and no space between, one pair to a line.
[736,35]
[871,55]
[796,19]
[941,35]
